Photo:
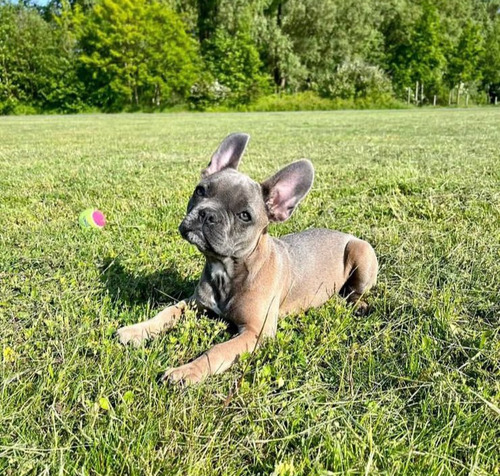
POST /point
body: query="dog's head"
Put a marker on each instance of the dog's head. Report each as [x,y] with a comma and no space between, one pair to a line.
[228,211]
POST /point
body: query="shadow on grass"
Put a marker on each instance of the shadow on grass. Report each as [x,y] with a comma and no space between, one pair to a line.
[164,286]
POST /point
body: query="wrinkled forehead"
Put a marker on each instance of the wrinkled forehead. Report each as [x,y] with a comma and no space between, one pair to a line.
[232,186]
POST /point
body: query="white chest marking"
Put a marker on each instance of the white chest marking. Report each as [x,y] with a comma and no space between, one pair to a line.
[217,272]
[218,278]
[213,306]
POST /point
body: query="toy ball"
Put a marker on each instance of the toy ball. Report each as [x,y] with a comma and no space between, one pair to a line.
[92,218]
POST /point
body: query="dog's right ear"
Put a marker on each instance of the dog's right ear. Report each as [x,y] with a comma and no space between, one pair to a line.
[228,154]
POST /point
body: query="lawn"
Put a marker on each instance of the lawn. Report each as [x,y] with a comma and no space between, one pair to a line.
[413,388]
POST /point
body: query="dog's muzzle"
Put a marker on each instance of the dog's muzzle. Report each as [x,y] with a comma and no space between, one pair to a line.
[192,232]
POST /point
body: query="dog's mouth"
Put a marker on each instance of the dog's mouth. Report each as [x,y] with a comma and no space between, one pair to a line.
[195,237]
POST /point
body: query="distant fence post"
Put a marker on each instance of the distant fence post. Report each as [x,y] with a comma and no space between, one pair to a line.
[434,102]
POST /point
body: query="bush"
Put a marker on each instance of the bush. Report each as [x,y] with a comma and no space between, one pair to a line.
[311,101]
[356,80]
[7,107]
[207,92]
[305,101]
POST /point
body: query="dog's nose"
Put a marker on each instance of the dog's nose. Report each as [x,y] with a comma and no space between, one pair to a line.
[207,216]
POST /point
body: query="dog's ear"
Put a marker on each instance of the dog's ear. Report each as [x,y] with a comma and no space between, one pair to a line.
[228,155]
[283,191]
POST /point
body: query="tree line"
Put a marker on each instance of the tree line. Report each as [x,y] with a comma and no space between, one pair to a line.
[113,55]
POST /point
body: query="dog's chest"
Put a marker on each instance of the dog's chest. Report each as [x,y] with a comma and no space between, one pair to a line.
[214,290]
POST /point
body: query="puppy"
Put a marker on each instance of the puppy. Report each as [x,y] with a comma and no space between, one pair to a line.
[251,278]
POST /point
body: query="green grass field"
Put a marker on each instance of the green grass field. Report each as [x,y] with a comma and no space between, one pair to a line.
[414,388]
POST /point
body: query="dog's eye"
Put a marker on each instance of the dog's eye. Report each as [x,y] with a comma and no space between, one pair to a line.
[244,216]
[200,191]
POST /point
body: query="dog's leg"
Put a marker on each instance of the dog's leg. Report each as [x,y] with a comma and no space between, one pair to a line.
[261,324]
[218,359]
[362,267]
[164,320]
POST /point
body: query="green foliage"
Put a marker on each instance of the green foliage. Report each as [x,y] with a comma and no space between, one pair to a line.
[37,65]
[111,55]
[311,101]
[463,65]
[326,33]
[207,19]
[490,62]
[278,55]
[234,62]
[357,80]
[29,58]
[302,101]
[135,54]
[207,92]
[420,57]
[68,91]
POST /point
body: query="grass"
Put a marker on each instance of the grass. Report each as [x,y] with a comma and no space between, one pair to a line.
[414,388]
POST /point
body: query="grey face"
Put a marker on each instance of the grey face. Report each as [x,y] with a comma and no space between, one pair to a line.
[228,211]
[226,215]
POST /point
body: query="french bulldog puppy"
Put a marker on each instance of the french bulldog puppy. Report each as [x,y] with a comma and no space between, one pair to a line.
[251,278]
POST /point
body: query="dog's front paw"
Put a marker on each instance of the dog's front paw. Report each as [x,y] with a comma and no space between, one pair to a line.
[134,335]
[184,375]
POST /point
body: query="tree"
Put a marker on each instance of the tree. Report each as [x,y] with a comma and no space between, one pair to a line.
[234,61]
[32,64]
[490,61]
[234,72]
[135,53]
[122,54]
[67,91]
[463,65]
[419,57]
[207,19]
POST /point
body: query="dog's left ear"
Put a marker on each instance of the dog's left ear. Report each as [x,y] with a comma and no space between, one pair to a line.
[283,191]
[228,155]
